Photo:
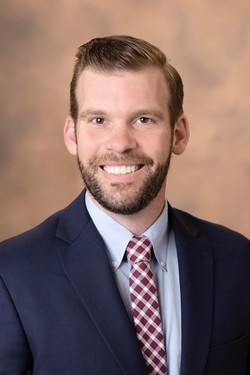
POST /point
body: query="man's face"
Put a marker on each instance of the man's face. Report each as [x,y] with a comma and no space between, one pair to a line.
[123,137]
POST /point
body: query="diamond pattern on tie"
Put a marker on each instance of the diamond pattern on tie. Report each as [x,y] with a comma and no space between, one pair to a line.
[145,306]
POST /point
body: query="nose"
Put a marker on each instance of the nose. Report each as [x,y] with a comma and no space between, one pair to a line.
[120,139]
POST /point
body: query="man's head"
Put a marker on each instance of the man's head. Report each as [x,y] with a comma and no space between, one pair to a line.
[121,52]
[126,121]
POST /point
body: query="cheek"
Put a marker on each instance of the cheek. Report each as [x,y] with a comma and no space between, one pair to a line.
[87,146]
[158,151]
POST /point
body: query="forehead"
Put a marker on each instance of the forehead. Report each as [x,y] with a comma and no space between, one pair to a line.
[147,82]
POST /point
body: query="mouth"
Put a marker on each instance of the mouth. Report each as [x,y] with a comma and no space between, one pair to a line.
[121,169]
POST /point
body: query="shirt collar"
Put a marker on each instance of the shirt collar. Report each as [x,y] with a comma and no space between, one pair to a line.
[116,236]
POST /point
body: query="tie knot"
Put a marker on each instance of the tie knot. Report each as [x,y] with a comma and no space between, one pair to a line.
[139,249]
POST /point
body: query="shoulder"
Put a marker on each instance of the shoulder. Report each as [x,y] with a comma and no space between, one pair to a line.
[217,235]
[42,231]
[23,252]
[44,239]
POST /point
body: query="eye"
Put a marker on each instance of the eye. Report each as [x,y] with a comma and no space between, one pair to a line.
[98,120]
[145,120]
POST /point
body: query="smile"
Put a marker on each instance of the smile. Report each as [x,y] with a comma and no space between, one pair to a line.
[121,170]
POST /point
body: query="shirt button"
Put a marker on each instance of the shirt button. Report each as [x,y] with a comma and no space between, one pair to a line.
[163,264]
[114,264]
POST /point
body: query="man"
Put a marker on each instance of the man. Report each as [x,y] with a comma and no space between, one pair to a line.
[67,285]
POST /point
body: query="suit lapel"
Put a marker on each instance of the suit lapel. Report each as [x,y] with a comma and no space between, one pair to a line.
[86,265]
[196,283]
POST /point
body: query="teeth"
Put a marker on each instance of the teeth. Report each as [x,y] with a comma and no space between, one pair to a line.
[120,170]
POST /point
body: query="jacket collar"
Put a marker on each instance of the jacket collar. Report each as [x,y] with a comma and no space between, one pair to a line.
[86,265]
[196,269]
[99,294]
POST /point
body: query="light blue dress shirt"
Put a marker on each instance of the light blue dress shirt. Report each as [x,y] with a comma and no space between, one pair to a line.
[164,264]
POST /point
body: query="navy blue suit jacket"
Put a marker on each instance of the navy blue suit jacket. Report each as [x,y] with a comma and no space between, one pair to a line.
[55,318]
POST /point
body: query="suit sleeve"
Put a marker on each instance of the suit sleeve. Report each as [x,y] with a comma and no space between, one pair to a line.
[15,357]
[248,362]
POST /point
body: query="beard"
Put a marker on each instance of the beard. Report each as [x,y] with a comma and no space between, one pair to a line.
[124,198]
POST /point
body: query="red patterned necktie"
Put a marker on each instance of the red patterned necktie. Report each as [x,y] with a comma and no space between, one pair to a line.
[145,306]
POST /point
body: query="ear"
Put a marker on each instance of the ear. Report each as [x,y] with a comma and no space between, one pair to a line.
[70,136]
[181,135]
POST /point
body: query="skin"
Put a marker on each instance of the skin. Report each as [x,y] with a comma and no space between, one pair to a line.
[123,134]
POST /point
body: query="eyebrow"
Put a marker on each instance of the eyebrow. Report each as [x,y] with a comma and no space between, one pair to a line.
[91,112]
[148,112]
[138,113]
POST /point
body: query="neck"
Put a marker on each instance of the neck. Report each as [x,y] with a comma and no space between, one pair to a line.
[139,222]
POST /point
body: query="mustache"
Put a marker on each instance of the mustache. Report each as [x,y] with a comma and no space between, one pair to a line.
[133,158]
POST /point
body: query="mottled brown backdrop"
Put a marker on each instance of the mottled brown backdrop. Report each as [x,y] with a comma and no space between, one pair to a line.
[209,43]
